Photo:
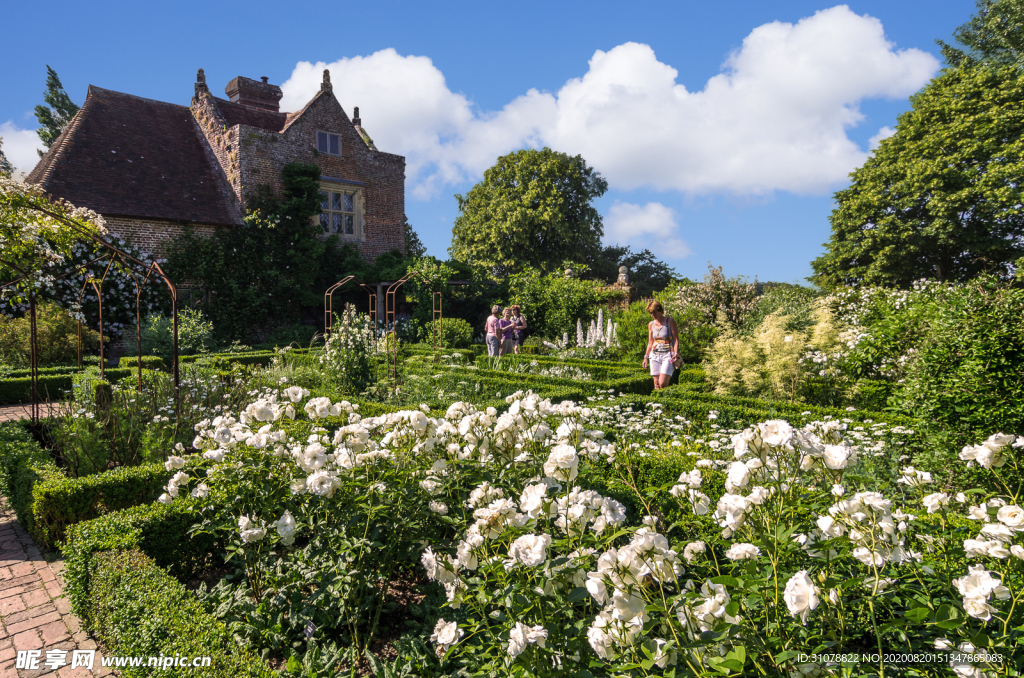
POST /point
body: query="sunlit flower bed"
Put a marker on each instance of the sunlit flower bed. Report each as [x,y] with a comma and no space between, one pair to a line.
[812,554]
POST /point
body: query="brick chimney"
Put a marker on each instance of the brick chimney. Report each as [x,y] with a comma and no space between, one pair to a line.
[254,93]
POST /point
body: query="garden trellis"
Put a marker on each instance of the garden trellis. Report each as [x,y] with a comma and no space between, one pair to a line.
[25,215]
[329,302]
[389,319]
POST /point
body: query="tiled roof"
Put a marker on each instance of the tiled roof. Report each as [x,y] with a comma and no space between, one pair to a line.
[238,114]
[128,156]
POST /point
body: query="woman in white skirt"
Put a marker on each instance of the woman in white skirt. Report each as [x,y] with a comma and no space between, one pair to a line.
[662,345]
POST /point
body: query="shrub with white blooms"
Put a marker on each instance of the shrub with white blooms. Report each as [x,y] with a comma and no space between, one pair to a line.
[544,574]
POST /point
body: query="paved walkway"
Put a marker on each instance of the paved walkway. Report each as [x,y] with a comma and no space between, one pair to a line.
[34,614]
[24,411]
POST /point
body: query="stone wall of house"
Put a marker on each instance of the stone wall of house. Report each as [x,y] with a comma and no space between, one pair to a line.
[221,140]
[154,235]
[380,176]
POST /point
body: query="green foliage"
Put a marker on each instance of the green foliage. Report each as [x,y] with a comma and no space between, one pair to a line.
[6,168]
[532,209]
[968,375]
[718,299]
[940,198]
[54,120]
[552,303]
[995,34]
[414,247]
[265,272]
[137,609]
[647,274]
[347,358]
[455,332]
[438,275]
[695,334]
[56,336]
[195,335]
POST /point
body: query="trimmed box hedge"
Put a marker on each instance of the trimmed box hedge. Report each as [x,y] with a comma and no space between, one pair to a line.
[122,577]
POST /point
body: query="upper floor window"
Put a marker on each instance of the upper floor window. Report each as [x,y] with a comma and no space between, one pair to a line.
[328,143]
[339,211]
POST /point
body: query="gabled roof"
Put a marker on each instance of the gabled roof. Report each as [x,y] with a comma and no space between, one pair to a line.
[123,155]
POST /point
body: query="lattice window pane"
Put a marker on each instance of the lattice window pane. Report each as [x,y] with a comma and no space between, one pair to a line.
[335,144]
[321,142]
[337,223]
[348,203]
[323,200]
[349,225]
[336,202]
[325,221]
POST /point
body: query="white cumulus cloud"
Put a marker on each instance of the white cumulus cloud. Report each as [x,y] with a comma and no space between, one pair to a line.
[775,118]
[652,226]
[20,147]
[883,133]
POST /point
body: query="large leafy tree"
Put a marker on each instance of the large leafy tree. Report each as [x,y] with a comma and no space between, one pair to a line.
[55,119]
[941,198]
[995,34]
[533,209]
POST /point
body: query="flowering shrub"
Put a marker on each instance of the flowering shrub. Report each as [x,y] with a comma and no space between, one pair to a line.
[807,548]
[348,351]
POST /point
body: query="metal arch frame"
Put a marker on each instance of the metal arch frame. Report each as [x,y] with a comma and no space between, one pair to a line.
[125,258]
[329,302]
[389,320]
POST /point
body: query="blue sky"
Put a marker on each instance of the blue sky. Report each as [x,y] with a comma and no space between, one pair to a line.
[723,128]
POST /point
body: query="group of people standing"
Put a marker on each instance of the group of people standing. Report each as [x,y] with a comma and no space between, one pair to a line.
[505,330]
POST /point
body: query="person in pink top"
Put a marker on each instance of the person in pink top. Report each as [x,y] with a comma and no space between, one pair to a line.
[492,332]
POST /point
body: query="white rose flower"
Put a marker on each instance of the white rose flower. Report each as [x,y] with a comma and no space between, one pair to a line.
[439,508]
[174,462]
[446,634]
[322,484]
[1012,516]
[742,551]
[801,595]
[522,635]
[562,463]
[1018,551]
[295,393]
[249,530]
[935,501]
[201,490]
[286,526]
[836,457]
[838,490]
[530,549]
[693,549]
[738,476]
[165,499]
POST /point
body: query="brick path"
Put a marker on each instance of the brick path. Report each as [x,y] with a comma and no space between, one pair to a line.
[34,614]
[15,412]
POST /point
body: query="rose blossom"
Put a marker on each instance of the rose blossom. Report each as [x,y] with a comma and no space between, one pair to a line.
[801,595]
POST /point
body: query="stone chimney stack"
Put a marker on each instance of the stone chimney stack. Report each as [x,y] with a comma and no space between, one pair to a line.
[356,120]
[254,93]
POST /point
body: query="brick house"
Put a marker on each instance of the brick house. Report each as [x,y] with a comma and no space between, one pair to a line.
[153,168]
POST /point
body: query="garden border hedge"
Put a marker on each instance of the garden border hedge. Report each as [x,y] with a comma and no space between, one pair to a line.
[123,577]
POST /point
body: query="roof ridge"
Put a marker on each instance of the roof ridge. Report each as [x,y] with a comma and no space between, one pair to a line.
[59,146]
[135,96]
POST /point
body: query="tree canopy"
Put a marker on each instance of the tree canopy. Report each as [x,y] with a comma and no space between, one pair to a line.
[995,34]
[54,120]
[647,274]
[942,197]
[6,168]
[533,209]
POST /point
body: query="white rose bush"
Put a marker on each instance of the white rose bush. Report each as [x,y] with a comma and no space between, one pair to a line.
[770,554]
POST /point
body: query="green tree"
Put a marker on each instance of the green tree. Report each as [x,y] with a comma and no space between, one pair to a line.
[414,247]
[995,34]
[54,120]
[6,168]
[647,274]
[942,197]
[533,209]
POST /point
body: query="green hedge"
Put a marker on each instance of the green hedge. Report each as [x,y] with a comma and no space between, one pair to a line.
[149,362]
[17,390]
[23,464]
[116,583]
[59,502]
